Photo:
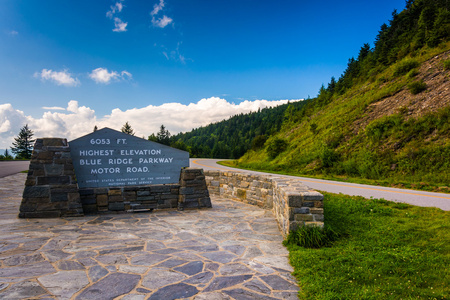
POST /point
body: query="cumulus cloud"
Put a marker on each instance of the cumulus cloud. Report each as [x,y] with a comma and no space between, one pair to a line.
[60,78]
[102,75]
[78,120]
[117,7]
[160,22]
[11,120]
[157,7]
[119,25]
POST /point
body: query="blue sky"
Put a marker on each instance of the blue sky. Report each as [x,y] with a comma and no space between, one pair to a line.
[129,54]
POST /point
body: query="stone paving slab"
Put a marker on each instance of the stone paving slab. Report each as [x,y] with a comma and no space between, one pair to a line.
[232,251]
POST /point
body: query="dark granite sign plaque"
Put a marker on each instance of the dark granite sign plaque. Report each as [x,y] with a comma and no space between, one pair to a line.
[109,158]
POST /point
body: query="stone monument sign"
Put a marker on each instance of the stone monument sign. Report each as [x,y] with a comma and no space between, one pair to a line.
[109,158]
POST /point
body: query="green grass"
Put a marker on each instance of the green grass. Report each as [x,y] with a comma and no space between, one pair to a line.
[405,66]
[385,250]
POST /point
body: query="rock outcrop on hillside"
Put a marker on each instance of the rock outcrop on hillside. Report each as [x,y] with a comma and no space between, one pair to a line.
[436,96]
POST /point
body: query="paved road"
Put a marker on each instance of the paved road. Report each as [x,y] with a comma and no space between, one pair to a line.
[12,167]
[419,198]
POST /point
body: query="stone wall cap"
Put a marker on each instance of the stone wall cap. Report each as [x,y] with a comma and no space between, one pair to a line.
[55,142]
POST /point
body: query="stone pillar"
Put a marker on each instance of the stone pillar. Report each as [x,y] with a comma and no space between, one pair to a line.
[193,190]
[50,189]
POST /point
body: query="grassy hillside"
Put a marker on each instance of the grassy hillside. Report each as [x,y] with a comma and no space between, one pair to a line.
[387,118]
[384,128]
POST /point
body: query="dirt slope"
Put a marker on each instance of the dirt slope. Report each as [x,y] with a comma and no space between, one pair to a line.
[436,96]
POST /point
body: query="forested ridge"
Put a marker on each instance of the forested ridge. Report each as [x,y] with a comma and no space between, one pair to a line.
[232,138]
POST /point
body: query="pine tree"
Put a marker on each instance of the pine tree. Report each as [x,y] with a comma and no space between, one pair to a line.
[163,135]
[126,128]
[23,145]
[153,138]
[7,155]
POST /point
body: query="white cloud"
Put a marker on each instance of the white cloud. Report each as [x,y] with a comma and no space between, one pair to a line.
[11,120]
[117,7]
[102,75]
[78,120]
[53,108]
[119,25]
[157,8]
[60,78]
[161,22]
[5,126]
[126,74]
[13,33]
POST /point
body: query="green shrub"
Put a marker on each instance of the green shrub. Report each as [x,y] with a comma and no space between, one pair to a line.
[311,237]
[417,87]
[370,165]
[313,128]
[413,73]
[379,128]
[334,140]
[350,167]
[328,157]
[258,142]
[275,147]
[447,64]
[405,66]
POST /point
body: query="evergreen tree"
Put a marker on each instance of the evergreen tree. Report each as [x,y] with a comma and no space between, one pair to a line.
[23,145]
[153,138]
[163,136]
[126,128]
[332,85]
[441,29]
[7,155]
[363,52]
[258,142]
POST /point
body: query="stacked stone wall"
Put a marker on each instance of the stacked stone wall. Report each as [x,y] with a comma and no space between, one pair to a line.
[50,189]
[193,189]
[129,198]
[293,203]
[191,192]
[252,189]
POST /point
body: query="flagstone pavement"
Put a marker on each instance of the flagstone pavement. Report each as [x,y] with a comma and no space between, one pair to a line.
[232,251]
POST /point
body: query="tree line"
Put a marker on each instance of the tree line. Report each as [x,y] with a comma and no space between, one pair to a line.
[423,23]
[232,138]
[229,138]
